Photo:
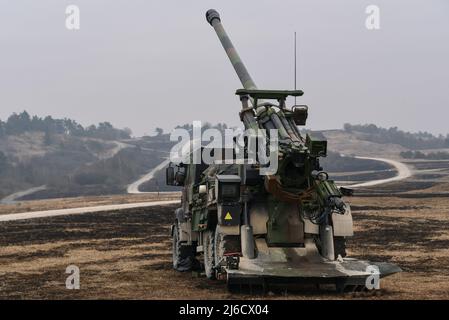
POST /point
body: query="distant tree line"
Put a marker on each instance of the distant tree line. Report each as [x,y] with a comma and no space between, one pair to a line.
[206,125]
[23,122]
[165,136]
[419,140]
[440,155]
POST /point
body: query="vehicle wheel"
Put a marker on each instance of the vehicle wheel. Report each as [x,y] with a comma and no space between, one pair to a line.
[183,257]
[340,246]
[225,244]
[208,253]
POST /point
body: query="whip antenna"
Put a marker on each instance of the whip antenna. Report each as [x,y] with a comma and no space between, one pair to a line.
[295,63]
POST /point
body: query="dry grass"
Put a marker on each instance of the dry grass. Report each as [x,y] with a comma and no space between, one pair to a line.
[127,254]
[65,203]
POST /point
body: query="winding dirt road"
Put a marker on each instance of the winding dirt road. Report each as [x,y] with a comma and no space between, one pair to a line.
[12,198]
[133,188]
[403,172]
[64,212]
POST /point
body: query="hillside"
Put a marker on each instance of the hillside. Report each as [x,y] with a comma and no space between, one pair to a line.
[44,158]
[64,159]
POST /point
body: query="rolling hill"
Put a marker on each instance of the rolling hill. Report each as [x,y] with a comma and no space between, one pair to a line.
[53,158]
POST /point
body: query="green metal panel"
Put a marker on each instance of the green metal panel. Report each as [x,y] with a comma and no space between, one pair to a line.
[317,147]
[284,228]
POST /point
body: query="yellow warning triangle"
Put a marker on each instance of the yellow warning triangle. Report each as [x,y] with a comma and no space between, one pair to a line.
[228,216]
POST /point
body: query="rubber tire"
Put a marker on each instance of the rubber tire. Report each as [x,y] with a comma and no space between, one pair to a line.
[339,246]
[209,253]
[225,244]
[181,262]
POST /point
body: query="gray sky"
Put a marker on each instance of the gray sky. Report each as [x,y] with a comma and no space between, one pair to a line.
[146,64]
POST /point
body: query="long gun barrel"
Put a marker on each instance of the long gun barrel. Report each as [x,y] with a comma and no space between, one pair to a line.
[247,115]
[213,18]
[271,118]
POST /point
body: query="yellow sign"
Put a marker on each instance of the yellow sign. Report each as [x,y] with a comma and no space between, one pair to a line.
[228,216]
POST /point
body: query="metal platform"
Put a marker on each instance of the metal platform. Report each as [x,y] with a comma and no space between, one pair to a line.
[303,266]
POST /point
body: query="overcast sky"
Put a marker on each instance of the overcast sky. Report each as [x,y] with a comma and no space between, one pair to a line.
[147,64]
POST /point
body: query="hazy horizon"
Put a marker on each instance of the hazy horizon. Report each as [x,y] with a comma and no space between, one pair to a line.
[147,64]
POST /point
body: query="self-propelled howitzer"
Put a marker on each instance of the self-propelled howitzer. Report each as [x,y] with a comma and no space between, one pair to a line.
[299,175]
[289,226]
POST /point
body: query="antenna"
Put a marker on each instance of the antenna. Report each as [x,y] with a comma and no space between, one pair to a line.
[295,63]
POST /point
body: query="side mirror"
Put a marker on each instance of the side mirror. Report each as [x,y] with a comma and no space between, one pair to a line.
[170,176]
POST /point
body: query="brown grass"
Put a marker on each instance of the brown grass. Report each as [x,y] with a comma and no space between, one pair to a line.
[127,254]
[66,203]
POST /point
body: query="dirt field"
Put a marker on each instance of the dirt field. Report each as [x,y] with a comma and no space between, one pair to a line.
[127,254]
[76,202]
